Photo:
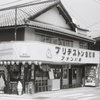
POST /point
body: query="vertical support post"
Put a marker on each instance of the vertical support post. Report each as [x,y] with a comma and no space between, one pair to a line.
[35,78]
[97,74]
[61,81]
[15,23]
[8,80]
[98,68]
[22,77]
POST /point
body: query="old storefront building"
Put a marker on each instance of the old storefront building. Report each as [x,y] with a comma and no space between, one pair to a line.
[43,49]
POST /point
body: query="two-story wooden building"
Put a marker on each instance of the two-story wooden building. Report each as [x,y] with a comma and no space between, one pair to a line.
[42,47]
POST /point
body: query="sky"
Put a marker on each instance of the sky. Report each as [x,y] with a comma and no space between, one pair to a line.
[85,13]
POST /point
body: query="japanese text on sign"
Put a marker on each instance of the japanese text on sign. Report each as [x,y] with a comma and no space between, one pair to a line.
[72,54]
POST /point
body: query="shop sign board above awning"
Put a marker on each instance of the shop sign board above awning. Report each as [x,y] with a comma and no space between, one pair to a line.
[38,51]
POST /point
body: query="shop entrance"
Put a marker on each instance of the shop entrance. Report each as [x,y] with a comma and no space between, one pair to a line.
[70,78]
[75,77]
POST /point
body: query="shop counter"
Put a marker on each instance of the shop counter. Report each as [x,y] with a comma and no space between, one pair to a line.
[54,83]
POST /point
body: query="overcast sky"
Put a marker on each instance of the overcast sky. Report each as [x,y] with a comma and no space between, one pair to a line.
[85,13]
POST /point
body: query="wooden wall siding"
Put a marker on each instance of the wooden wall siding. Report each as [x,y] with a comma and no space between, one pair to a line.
[9,35]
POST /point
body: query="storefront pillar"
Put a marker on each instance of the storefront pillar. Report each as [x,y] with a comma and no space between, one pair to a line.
[97,75]
[23,77]
[7,86]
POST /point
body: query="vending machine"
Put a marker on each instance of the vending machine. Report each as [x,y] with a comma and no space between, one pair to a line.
[91,75]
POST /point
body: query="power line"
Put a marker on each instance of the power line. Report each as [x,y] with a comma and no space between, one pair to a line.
[93,24]
[96,30]
[10,3]
[21,5]
[76,14]
[96,1]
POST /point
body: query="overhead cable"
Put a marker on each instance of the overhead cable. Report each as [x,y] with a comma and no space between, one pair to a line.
[84,22]
[93,24]
[10,3]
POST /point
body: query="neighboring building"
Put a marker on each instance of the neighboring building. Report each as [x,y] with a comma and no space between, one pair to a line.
[41,47]
[96,46]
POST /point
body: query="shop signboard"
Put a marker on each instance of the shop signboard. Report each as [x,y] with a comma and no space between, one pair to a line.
[62,54]
[45,52]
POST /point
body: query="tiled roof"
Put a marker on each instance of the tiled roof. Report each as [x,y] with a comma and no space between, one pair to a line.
[7,16]
[24,12]
[58,29]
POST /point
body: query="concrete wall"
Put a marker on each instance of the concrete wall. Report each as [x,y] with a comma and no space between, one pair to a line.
[29,34]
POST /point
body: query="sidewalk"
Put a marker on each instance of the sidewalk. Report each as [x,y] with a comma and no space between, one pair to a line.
[46,93]
[35,95]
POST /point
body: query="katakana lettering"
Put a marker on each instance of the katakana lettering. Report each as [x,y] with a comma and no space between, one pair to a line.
[82,53]
[64,51]
[74,52]
[69,51]
[57,49]
[62,58]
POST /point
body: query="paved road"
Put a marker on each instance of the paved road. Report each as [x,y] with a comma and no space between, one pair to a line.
[83,93]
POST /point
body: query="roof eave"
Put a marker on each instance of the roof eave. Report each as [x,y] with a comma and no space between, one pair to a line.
[66,16]
[62,33]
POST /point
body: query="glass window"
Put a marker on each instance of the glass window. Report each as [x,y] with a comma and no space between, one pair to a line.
[43,38]
[67,43]
[83,45]
[80,44]
[38,37]
[59,41]
[48,39]
[54,40]
[63,42]
[65,73]
[74,73]
[71,43]
[57,73]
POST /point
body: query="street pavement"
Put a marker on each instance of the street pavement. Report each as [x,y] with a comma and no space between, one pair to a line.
[82,93]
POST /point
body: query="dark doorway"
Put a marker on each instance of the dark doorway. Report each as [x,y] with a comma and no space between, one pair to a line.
[70,78]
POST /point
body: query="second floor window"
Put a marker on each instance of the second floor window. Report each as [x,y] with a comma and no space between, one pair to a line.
[54,40]
[83,45]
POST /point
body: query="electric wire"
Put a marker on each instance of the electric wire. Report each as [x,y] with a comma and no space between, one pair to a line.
[85,23]
[21,5]
[93,24]
[96,1]
[10,2]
